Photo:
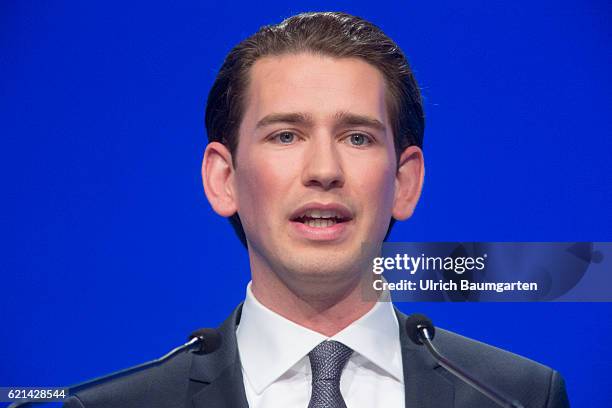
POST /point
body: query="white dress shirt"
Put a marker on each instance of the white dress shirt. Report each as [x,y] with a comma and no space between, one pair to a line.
[276,368]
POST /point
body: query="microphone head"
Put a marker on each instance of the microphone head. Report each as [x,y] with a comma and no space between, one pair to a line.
[414,324]
[210,339]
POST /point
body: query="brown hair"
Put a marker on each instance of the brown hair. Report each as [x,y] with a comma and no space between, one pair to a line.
[332,34]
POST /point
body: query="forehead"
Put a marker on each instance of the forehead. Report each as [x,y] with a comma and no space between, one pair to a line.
[318,85]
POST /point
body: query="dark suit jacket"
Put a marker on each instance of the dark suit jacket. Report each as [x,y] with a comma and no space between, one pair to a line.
[215,380]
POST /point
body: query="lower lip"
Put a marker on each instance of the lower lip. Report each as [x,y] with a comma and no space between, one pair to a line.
[332,233]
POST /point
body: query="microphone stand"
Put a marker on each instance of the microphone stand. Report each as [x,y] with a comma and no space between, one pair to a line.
[193,343]
[495,396]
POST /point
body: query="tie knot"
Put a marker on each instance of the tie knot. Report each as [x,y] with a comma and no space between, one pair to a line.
[328,359]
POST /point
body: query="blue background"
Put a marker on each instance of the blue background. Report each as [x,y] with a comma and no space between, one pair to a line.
[111,255]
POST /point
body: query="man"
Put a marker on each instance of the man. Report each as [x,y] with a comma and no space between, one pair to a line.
[315,130]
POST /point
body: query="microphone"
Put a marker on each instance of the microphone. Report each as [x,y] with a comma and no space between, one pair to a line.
[201,341]
[421,331]
[208,340]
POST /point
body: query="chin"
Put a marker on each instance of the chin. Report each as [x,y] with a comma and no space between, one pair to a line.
[324,268]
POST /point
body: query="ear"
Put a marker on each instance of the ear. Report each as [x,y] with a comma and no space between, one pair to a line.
[218,178]
[408,182]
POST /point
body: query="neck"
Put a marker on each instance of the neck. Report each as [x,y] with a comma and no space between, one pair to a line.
[326,306]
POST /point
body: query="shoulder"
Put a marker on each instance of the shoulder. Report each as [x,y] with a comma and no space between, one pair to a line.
[176,382]
[530,382]
[473,354]
[162,385]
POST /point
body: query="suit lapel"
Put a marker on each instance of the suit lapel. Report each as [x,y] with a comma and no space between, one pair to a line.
[216,378]
[425,386]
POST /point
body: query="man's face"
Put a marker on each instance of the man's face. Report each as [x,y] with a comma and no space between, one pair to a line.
[315,167]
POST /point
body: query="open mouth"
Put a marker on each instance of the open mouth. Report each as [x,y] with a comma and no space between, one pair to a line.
[321,218]
[322,222]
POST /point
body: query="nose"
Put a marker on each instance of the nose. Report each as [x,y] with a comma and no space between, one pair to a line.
[323,167]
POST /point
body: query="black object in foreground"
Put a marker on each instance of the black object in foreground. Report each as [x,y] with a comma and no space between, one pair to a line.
[421,331]
[202,341]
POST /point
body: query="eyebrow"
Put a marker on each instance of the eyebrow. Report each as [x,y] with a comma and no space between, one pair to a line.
[343,119]
[346,119]
[296,118]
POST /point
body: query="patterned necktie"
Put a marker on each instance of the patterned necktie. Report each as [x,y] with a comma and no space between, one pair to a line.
[327,361]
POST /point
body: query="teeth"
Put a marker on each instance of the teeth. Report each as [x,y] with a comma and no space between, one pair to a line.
[321,214]
[320,223]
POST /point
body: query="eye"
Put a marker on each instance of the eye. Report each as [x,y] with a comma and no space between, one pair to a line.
[359,139]
[284,137]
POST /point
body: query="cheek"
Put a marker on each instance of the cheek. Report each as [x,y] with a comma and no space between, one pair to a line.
[261,183]
[376,182]
[374,175]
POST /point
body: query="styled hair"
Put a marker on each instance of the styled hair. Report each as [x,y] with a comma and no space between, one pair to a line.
[331,34]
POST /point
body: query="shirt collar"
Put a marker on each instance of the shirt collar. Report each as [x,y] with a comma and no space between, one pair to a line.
[270,344]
